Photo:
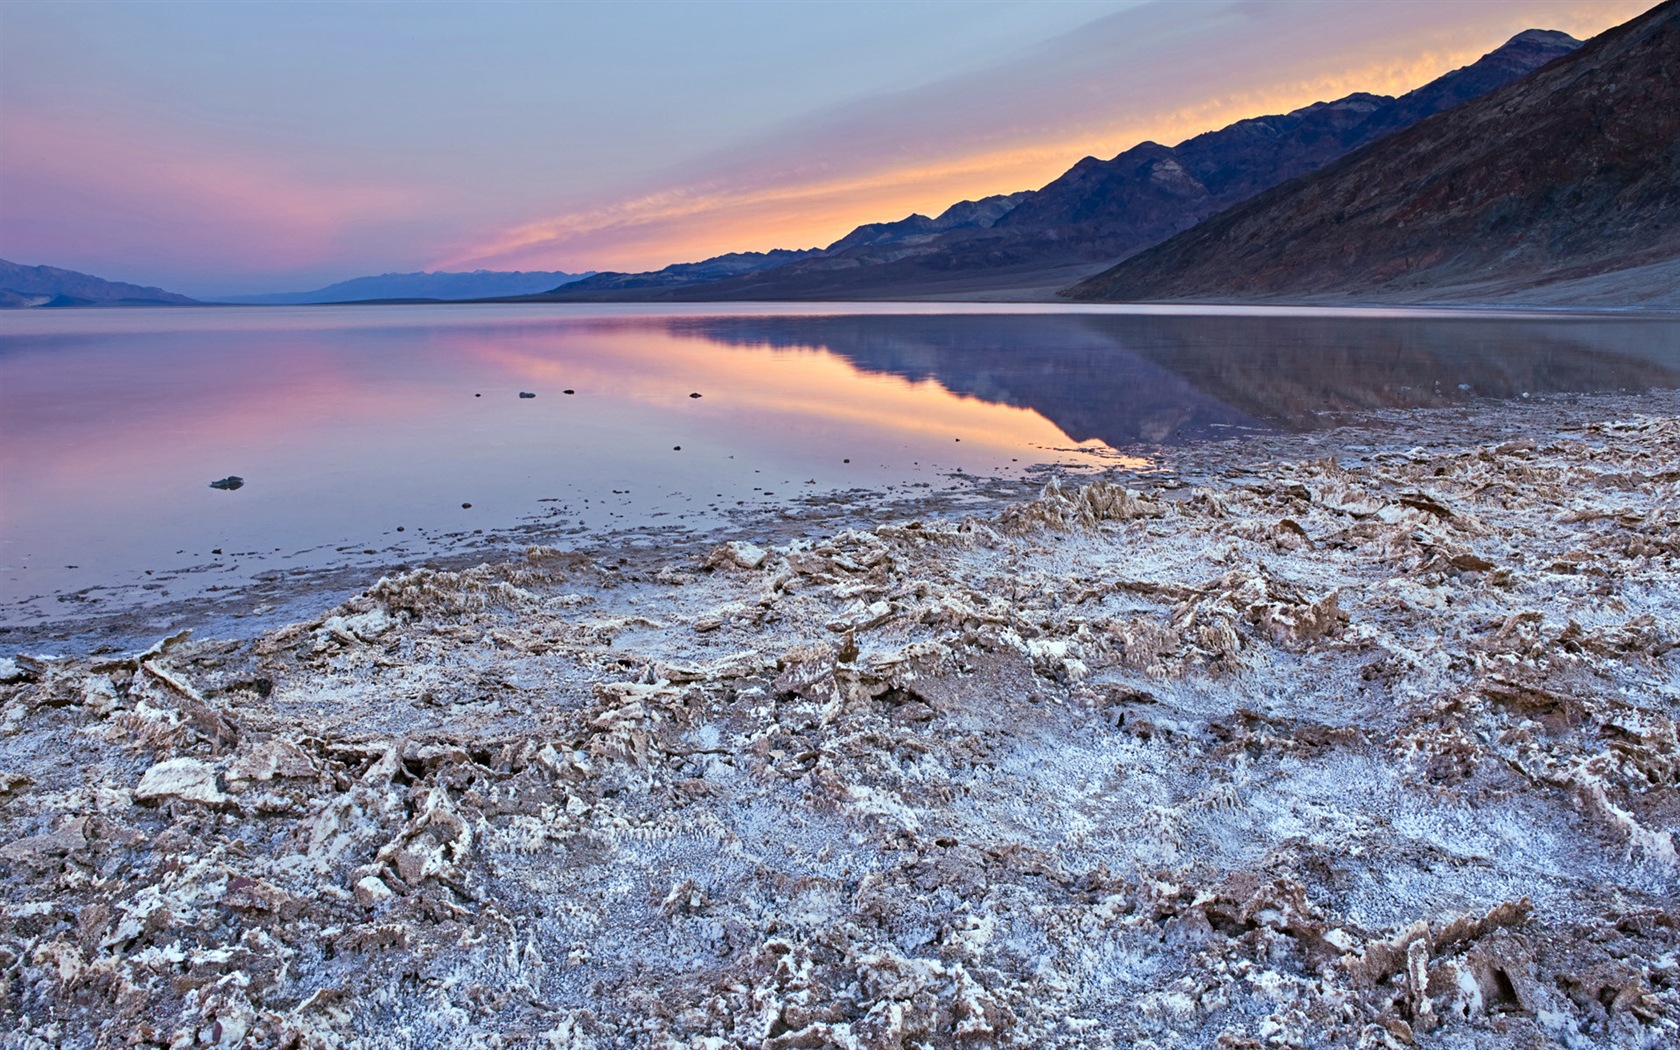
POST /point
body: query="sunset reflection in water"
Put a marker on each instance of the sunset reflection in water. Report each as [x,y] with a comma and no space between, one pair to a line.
[348,423]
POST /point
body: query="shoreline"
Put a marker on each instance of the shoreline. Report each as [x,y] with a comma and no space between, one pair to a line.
[1320,739]
[274,597]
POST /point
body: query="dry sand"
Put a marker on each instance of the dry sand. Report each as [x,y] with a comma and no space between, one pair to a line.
[1306,753]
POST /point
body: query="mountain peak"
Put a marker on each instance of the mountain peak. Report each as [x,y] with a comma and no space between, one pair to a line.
[1562,175]
[1545,37]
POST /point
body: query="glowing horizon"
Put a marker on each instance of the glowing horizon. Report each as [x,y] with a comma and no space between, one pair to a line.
[134,154]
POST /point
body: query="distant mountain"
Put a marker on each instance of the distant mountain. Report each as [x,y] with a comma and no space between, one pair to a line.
[717,268]
[1099,211]
[1565,176]
[36,286]
[911,231]
[479,284]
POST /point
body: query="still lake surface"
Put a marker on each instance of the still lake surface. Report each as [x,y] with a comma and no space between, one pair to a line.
[361,431]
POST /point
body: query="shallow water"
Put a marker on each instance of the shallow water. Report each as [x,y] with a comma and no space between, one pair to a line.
[361,431]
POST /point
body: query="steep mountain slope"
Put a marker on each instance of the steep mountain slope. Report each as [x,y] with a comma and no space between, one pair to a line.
[478,284]
[1098,211]
[26,286]
[1571,172]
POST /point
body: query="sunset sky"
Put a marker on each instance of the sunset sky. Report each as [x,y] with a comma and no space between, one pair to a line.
[233,148]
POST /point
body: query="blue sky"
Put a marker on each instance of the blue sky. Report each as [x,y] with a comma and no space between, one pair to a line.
[234,147]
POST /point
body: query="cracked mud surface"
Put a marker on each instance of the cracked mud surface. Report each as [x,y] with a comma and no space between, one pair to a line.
[1305,753]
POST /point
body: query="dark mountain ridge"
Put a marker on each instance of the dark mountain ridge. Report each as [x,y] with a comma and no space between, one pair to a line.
[48,286]
[1569,173]
[869,238]
[717,268]
[1096,213]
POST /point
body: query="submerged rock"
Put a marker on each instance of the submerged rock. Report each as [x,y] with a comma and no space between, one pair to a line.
[232,481]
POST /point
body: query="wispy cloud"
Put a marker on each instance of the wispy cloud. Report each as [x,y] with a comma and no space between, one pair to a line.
[104,192]
[1162,72]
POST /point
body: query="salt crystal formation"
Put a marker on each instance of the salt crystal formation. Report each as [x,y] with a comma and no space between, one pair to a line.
[1311,756]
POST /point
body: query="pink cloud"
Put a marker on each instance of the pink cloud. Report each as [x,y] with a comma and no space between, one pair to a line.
[1162,72]
[101,193]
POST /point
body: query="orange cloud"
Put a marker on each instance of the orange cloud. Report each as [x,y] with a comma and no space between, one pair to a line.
[820,187]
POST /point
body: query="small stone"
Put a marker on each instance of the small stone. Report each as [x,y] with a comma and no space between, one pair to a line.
[526,394]
[694,395]
[68,839]
[187,779]
[466,506]
[738,553]
[568,391]
[247,894]
[371,890]
[229,483]
[911,713]
[271,759]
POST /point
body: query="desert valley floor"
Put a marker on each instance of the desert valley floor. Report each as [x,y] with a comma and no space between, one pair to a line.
[1274,748]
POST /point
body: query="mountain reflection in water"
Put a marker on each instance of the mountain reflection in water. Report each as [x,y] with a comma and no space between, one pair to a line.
[1131,379]
[378,436]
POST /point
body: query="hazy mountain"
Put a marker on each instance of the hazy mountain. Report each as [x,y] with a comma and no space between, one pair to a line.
[911,230]
[479,284]
[719,267]
[32,286]
[1567,174]
[1099,211]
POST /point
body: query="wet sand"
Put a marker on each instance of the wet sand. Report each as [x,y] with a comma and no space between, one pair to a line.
[1275,747]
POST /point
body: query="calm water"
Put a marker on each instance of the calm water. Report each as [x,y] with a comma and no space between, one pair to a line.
[348,423]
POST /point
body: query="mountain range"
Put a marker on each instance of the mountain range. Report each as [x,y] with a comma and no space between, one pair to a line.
[1546,172]
[479,284]
[1096,213]
[36,286]
[1563,184]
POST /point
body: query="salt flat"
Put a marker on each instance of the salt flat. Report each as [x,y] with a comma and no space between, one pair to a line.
[1273,751]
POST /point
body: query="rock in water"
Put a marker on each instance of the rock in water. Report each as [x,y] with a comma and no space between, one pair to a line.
[231,482]
[526,393]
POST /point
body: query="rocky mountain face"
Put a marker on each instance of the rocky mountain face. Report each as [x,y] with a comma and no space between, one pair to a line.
[30,286]
[478,284]
[1097,212]
[1568,173]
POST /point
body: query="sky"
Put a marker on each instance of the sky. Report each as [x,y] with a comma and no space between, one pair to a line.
[233,148]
